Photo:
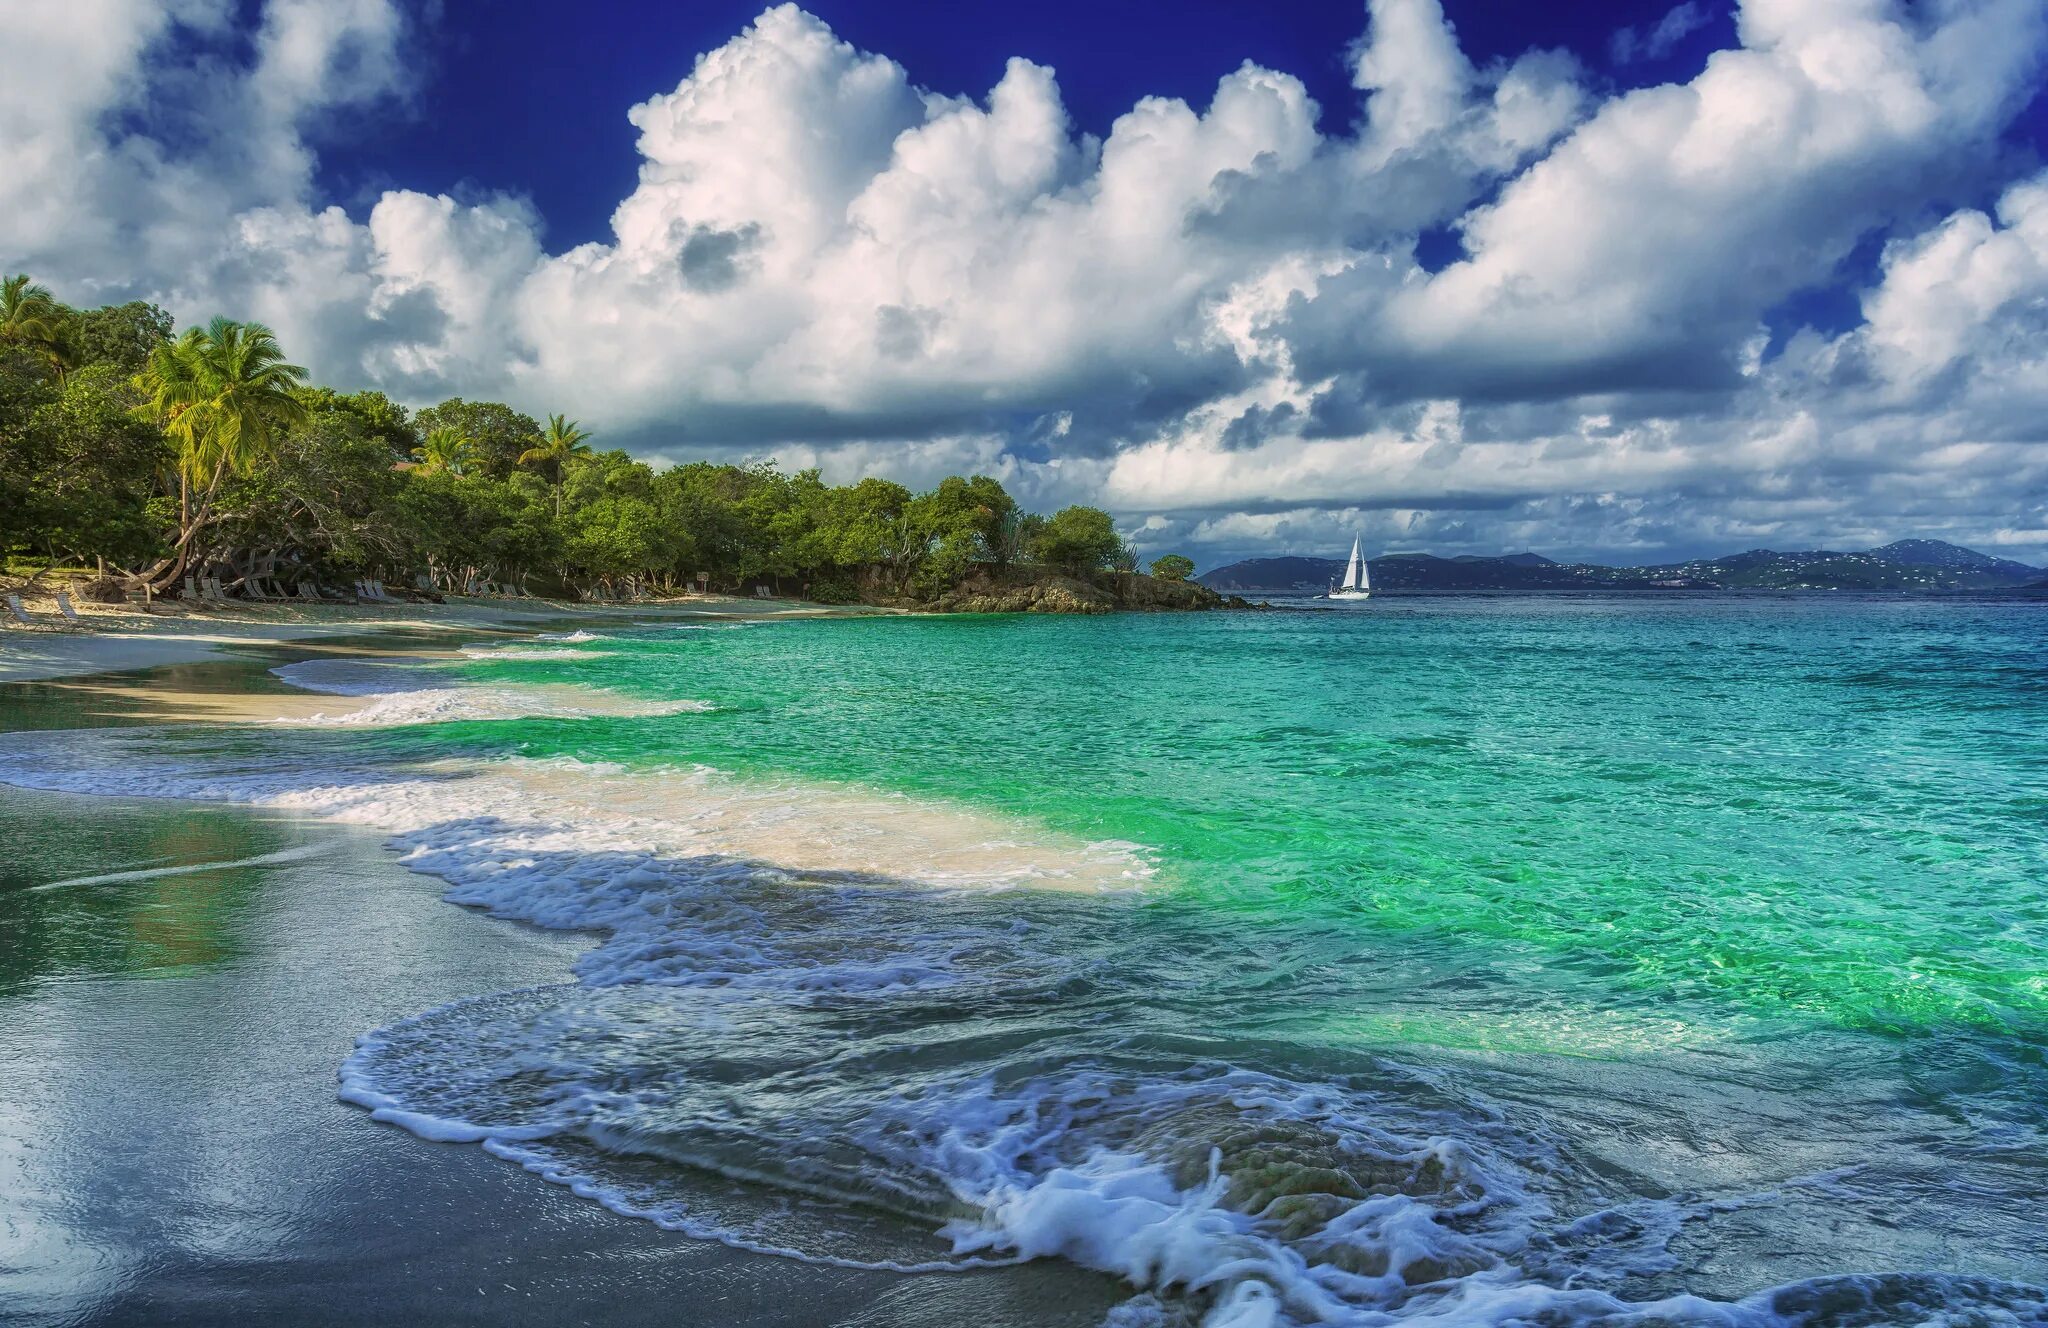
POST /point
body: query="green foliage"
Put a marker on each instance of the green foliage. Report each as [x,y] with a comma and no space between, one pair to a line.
[1077,540]
[121,336]
[445,449]
[834,590]
[169,454]
[222,393]
[1173,567]
[324,497]
[77,472]
[500,434]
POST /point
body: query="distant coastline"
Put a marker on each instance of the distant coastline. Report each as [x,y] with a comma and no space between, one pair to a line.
[1923,566]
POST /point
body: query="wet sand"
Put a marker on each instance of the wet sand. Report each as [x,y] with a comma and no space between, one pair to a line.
[171,1147]
[114,639]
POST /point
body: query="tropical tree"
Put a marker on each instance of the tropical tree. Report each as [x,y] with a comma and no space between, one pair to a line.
[31,320]
[221,393]
[559,441]
[501,434]
[1173,567]
[1078,540]
[445,449]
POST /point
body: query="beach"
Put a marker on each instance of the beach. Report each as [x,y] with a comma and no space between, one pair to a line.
[172,1150]
[117,639]
[750,968]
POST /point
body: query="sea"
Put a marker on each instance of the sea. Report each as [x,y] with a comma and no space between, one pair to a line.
[1496,960]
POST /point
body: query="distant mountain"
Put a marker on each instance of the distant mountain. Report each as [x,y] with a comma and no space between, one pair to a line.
[1901,565]
[1940,553]
[1418,572]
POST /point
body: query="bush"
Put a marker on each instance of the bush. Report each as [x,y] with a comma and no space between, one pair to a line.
[1078,540]
[1173,567]
[834,590]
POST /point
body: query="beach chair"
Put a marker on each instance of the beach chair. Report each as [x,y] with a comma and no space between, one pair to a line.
[309,592]
[65,607]
[191,594]
[383,596]
[20,614]
[209,588]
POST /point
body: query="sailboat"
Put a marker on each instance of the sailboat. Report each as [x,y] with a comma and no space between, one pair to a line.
[1357,581]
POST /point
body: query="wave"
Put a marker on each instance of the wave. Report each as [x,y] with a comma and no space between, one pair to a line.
[827,1023]
[415,691]
[577,637]
[529,652]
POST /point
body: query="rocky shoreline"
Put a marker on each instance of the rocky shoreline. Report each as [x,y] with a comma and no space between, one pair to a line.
[1051,592]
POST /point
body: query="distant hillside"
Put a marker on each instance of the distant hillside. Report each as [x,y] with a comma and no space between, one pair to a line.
[1900,565]
[1415,571]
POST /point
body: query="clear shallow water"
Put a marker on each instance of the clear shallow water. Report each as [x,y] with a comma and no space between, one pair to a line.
[1467,960]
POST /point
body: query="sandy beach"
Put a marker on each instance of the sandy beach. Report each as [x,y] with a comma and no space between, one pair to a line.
[111,639]
[178,986]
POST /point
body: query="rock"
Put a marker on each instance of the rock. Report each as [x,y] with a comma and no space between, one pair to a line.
[984,591]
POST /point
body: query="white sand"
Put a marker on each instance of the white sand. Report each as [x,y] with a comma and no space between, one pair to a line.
[114,640]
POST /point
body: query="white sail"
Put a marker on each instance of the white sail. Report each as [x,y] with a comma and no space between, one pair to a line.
[1364,575]
[1354,571]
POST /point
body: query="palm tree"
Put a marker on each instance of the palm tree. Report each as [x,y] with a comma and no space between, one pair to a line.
[31,318]
[561,440]
[221,393]
[445,449]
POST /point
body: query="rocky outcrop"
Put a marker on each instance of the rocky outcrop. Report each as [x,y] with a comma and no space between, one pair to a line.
[1050,592]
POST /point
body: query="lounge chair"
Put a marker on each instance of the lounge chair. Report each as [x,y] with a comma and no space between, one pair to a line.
[191,590]
[20,614]
[209,588]
[65,607]
[309,592]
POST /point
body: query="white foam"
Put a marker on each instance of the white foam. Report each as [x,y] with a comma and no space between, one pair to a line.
[528,652]
[365,677]
[419,692]
[1190,1185]
[577,637]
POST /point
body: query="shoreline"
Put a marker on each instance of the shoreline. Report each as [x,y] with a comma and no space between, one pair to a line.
[125,640]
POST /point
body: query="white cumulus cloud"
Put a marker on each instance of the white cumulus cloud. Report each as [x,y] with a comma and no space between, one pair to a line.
[1212,317]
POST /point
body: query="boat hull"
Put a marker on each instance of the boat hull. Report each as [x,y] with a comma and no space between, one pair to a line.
[1349,594]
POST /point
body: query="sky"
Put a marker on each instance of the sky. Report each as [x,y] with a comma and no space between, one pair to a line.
[1632,282]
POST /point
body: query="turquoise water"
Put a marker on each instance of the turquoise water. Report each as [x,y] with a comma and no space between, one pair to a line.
[1470,960]
[1808,811]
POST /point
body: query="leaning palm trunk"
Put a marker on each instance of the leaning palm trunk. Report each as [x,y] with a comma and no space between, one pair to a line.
[168,570]
[219,391]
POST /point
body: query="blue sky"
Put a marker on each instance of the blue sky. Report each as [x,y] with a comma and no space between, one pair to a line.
[482,114]
[1629,281]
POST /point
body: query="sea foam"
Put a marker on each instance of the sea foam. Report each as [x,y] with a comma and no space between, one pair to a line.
[825,1022]
[397,692]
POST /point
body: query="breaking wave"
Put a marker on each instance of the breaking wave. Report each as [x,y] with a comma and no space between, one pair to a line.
[865,1029]
[397,692]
